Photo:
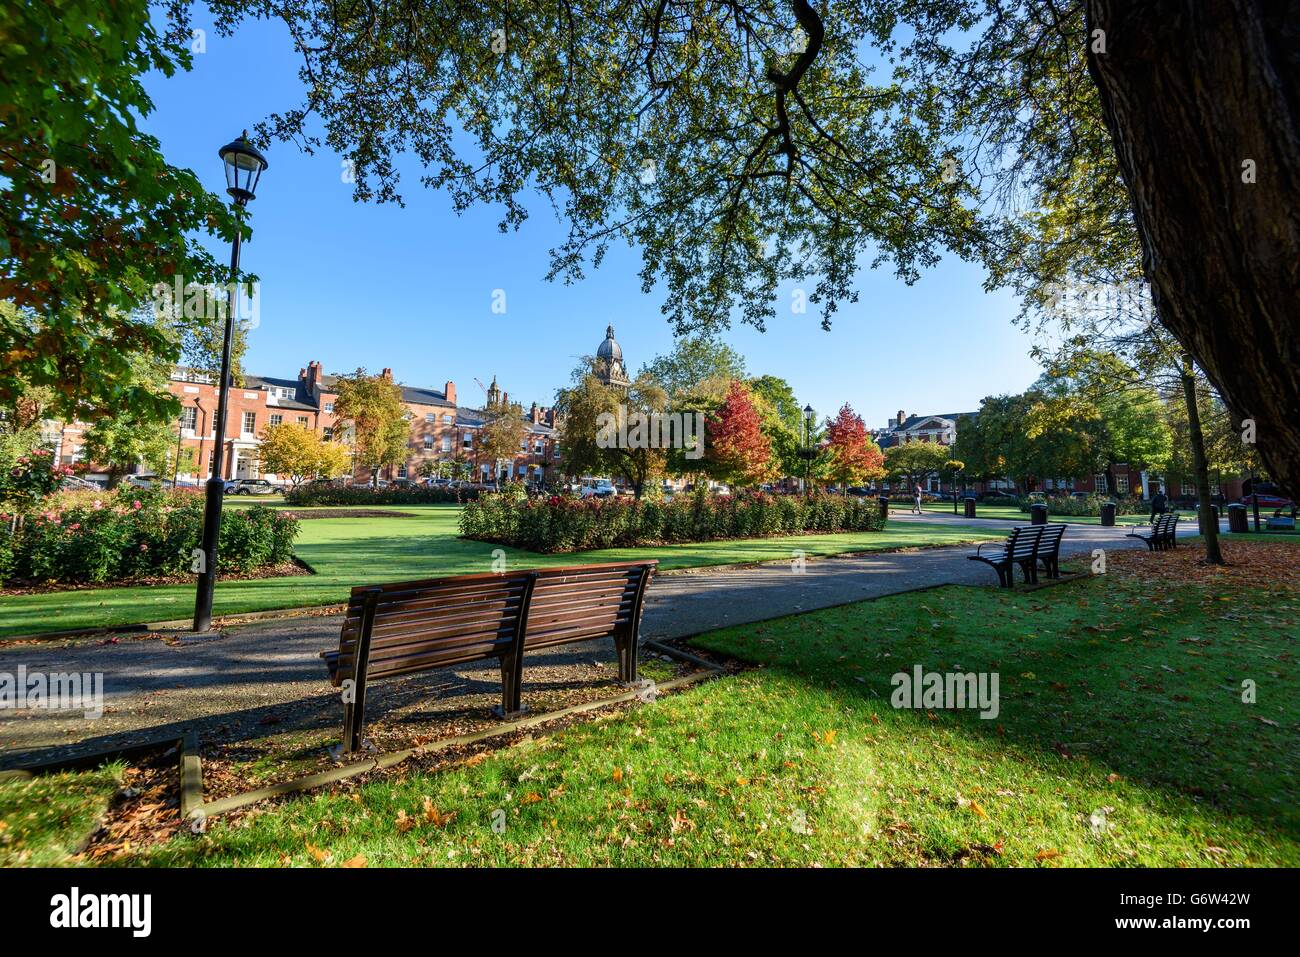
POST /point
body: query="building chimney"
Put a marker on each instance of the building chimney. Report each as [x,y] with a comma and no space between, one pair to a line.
[387,374]
[902,417]
[536,414]
[449,390]
[311,377]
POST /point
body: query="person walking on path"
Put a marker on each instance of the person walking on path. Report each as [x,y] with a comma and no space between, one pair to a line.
[916,500]
[1159,502]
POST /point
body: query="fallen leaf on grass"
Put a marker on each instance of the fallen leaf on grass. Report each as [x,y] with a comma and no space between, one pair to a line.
[358,861]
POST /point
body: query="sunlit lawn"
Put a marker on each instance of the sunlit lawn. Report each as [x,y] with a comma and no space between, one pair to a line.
[354,551]
[1122,739]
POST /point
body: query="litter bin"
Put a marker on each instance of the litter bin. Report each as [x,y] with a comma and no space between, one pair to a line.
[1214,517]
[884,506]
[970,506]
[1038,514]
[1237,521]
[1108,514]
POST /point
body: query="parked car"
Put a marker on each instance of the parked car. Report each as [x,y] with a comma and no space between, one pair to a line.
[861,491]
[258,486]
[600,488]
[1270,496]
[77,483]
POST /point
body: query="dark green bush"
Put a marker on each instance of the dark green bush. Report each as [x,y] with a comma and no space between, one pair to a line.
[566,524]
[362,495]
[94,538]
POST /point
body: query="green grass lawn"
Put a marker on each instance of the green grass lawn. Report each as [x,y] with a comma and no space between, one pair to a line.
[356,551]
[1122,740]
[45,820]
[1014,514]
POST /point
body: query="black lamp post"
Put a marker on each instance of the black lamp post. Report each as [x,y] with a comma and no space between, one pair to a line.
[244,166]
[808,448]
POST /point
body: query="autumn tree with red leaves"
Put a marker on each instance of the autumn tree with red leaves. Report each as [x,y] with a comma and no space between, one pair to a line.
[737,451]
[854,456]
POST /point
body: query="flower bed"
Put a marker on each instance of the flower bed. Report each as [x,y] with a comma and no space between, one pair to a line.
[566,524]
[131,534]
[358,495]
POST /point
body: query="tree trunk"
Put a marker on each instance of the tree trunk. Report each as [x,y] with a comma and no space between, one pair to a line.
[1200,96]
[1213,556]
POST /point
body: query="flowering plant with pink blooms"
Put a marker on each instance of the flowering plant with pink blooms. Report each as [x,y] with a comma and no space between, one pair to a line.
[29,479]
[134,534]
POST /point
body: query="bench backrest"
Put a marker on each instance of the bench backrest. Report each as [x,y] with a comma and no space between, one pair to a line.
[442,621]
[439,621]
[1023,543]
[586,601]
[1051,538]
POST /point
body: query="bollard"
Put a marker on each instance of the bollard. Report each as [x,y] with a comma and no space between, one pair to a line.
[970,506]
[1038,514]
[1108,514]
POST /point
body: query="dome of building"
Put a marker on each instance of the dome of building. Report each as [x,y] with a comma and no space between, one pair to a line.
[610,350]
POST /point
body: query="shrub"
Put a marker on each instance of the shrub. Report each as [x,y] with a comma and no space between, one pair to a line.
[361,495]
[1069,505]
[566,524]
[93,538]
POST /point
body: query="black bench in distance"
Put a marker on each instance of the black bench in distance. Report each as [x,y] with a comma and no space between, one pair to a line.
[1163,533]
[407,627]
[1020,548]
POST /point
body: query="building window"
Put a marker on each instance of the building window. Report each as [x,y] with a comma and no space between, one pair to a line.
[329,433]
[401,470]
[446,443]
[189,418]
[302,420]
[469,440]
[276,418]
[250,423]
[329,407]
[430,418]
[446,419]
[428,442]
[282,392]
[1121,483]
[1099,482]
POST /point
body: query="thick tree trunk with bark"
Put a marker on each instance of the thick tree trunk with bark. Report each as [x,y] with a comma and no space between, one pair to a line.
[1200,96]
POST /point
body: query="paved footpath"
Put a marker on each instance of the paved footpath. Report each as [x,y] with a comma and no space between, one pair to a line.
[251,669]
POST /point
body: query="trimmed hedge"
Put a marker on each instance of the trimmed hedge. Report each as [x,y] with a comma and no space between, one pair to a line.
[312,494]
[92,538]
[1069,505]
[567,524]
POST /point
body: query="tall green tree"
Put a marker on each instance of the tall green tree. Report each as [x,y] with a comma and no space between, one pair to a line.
[585,411]
[370,413]
[92,216]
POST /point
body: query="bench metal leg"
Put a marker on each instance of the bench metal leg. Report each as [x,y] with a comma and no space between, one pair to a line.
[354,711]
[512,689]
[626,645]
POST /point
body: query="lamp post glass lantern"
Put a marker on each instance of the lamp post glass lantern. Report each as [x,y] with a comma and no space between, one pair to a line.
[244,166]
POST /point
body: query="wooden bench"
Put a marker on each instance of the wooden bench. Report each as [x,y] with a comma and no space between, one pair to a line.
[1163,533]
[1020,548]
[407,627]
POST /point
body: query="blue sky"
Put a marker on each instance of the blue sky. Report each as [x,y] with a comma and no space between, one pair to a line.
[411,288]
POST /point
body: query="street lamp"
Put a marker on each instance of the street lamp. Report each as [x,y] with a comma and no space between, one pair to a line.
[244,166]
[808,448]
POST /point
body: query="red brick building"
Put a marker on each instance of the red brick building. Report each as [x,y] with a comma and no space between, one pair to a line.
[441,430]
